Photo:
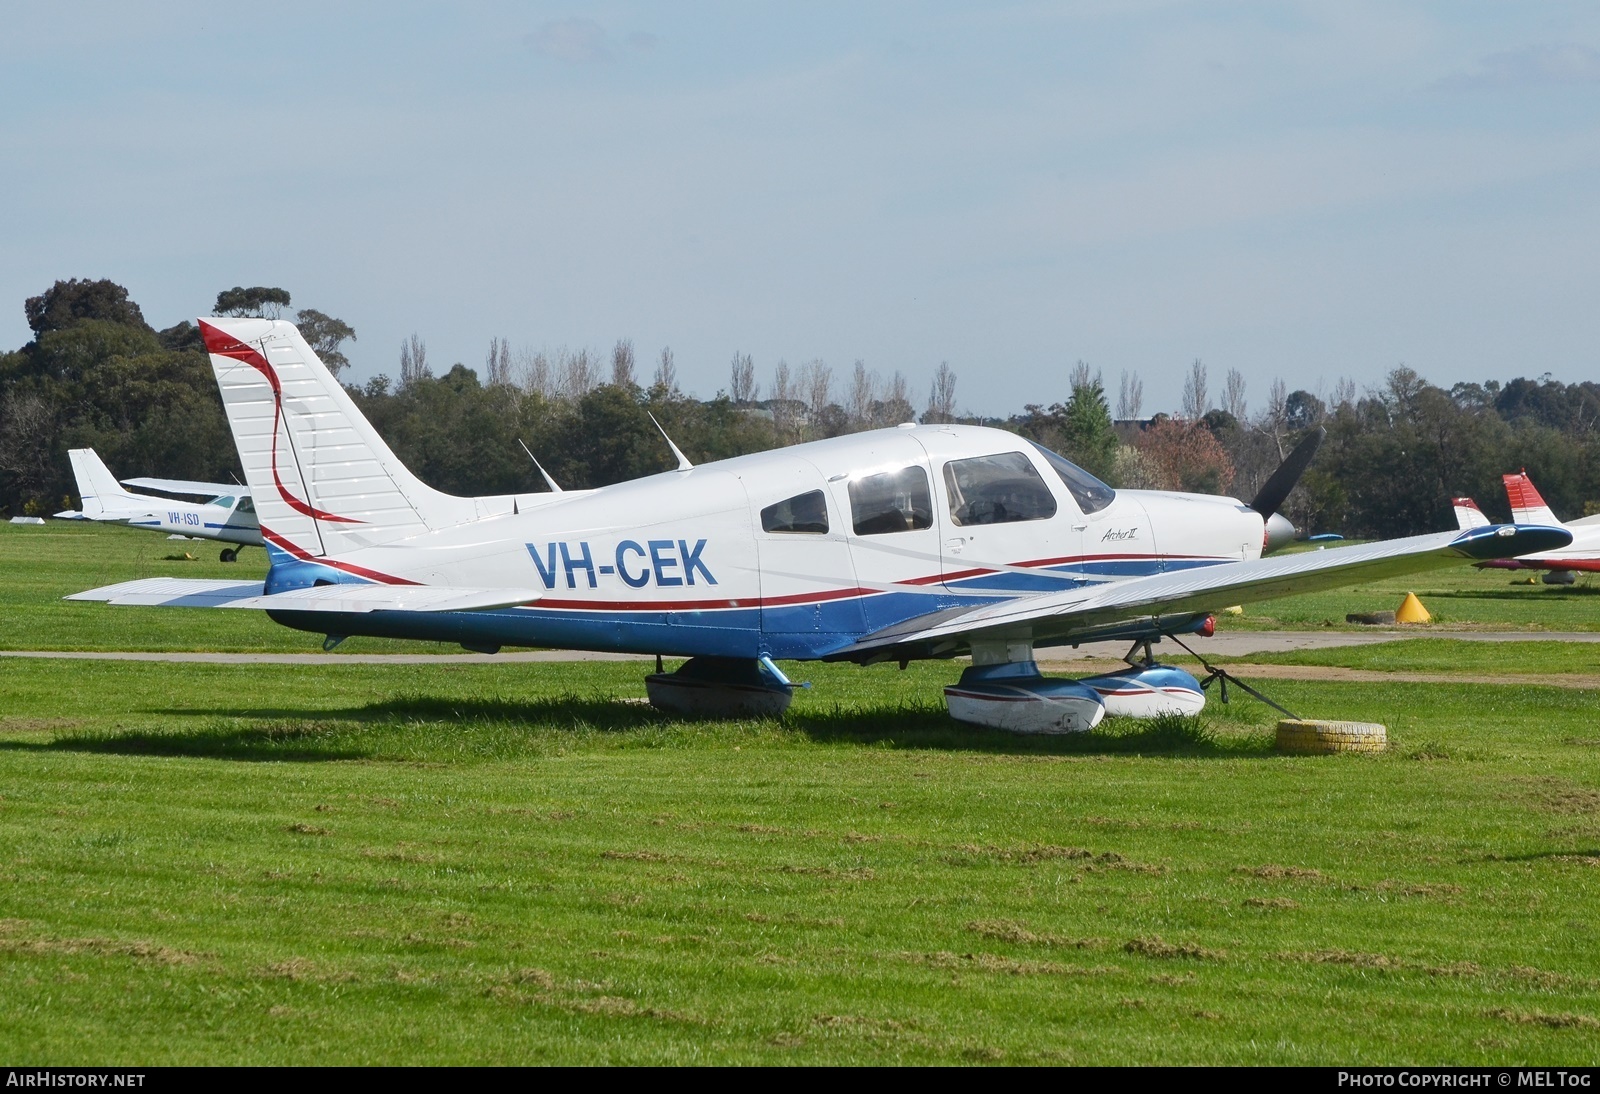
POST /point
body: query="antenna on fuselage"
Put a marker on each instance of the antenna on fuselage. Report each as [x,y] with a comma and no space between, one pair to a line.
[683,461]
[548,480]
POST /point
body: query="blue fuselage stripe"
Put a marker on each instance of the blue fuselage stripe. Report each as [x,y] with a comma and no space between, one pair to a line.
[792,631]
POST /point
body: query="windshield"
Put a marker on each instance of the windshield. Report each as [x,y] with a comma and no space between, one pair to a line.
[1091,494]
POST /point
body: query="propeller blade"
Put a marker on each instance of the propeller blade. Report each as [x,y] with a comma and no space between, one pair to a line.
[1288,473]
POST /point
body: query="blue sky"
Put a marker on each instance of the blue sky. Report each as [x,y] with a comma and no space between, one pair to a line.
[1306,191]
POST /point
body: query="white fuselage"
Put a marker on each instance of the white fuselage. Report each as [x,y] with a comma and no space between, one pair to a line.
[731,557]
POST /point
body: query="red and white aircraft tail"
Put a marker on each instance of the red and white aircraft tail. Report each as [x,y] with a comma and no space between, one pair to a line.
[1468,515]
[1527,507]
[323,480]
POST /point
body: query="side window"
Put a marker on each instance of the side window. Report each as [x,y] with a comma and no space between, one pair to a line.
[805,513]
[997,490]
[223,503]
[891,501]
[246,506]
[1091,494]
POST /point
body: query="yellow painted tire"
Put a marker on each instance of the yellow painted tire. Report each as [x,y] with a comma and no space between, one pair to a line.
[1307,736]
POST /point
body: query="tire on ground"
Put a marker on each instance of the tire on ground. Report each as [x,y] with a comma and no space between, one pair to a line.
[1309,736]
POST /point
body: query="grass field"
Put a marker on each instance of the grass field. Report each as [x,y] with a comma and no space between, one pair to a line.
[505,863]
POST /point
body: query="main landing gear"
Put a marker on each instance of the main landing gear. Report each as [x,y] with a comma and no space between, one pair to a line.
[1004,689]
[721,687]
[229,554]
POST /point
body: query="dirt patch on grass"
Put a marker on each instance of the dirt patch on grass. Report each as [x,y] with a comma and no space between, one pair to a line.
[102,947]
[970,854]
[1360,960]
[400,854]
[1168,951]
[17,724]
[1549,1021]
[1561,796]
[993,962]
[1272,903]
[848,873]
[1009,930]
[300,969]
[1275,873]
[637,856]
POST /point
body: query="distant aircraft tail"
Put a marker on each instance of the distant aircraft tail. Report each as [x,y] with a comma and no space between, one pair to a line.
[1468,515]
[97,486]
[1527,507]
[323,480]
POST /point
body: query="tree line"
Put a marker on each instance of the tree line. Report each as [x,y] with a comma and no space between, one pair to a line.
[96,374]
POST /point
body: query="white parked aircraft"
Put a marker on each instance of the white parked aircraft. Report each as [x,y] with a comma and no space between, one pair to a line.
[916,542]
[1561,566]
[228,515]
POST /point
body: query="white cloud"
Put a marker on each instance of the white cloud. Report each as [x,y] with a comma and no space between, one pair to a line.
[1530,66]
[576,41]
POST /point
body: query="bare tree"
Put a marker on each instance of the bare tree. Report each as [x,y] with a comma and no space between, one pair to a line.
[1275,421]
[816,387]
[497,365]
[742,386]
[1195,399]
[1081,376]
[1233,395]
[536,375]
[622,364]
[863,387]
[896,404]
[579,373]
[1130,400]
[667,372]
[413,361]
[783,401]
[1344,394]
[942,396]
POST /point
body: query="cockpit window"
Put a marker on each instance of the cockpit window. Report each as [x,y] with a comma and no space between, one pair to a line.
[805,513]
[999,489]
[891,501]
[246,505]
[225,502]
[1091,494]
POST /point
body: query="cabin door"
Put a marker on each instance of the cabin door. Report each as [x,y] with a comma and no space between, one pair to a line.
[1005,527]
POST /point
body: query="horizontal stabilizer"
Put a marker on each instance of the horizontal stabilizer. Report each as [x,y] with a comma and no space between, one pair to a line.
[175,592]
[188,486]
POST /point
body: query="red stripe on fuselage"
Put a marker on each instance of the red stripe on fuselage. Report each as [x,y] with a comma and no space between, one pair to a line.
[223,344]
[345,567]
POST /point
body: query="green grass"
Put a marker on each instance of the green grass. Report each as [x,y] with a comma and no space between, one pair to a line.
[1444,655]
[204,863]
[511,863]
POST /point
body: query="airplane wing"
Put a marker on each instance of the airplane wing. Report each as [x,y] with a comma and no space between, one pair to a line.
[188,486]
[173,592]
[1063,616]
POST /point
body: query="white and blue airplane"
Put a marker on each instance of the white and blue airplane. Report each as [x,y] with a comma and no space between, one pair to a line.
[922,541]
[228,513]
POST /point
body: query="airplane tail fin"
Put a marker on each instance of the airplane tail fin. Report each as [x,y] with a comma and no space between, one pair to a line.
[97,486]
[1527,507]
[323,480]
[1468,515]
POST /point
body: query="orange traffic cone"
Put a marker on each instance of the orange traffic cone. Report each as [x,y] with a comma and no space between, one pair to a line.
[1412,611]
